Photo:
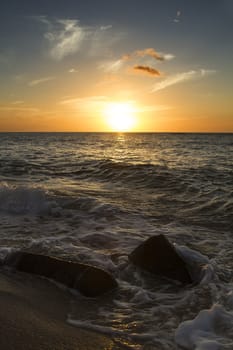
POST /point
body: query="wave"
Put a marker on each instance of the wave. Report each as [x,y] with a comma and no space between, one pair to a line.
[141,173]
[21,200]
[185,194]
[33,200]
[107,188]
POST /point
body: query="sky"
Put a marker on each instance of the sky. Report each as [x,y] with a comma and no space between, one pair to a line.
[126,65]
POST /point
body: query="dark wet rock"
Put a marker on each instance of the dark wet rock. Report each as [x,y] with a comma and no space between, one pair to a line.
[95,282]
[158,256]
[89,280]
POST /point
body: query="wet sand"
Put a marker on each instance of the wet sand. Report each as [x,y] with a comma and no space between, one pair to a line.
[33,315]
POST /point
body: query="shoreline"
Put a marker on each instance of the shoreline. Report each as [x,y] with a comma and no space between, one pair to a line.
[33,317]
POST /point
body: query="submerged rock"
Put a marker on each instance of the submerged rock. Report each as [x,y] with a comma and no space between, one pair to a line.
[89,280]
[158,256]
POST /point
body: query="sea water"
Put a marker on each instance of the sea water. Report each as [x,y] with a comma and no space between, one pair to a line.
[94,197]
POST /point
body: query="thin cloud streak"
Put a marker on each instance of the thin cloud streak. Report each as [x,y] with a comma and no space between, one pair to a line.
[148,52]
[85,103]
[19,109]
[106,27]
[73,70]
[112,66]
[18,102]
[168,56]
[81,100]
[142,53]
[182,77]
[40,81]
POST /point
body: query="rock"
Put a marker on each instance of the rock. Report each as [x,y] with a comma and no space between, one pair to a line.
[89,280]
[94,282]
[158,256]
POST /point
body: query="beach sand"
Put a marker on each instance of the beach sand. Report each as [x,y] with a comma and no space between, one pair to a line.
[33,314]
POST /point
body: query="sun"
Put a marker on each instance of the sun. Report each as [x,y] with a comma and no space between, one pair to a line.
[120,116]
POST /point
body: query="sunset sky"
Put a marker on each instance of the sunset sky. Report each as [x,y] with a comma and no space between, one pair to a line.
[92,65]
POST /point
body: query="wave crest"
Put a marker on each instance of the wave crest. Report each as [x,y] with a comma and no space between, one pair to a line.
[23,200]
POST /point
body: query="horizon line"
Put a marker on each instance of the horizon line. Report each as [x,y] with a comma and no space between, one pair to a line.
[116,132]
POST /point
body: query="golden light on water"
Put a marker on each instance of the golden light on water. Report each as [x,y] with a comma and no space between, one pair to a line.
[120,116]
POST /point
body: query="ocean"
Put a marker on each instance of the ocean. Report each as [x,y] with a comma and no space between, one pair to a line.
[94,197]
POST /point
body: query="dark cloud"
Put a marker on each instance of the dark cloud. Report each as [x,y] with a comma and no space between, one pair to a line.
[147,70]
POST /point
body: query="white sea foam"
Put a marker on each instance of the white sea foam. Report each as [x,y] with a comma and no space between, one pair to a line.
[4,251]
[199,265]
[208,331]
[142,305]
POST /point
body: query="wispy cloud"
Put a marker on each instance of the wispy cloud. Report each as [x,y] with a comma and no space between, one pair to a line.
[178,17]
[112,66]
[18,102]
[147,70]
[40,81]
[73,70]
[85,103]
[182,77]
[82,99]
[168,56]
[18,109]
[106,27]
[141,58]
[148,52]
[65,36]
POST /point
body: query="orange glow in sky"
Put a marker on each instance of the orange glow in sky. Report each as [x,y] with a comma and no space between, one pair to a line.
[107,71]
